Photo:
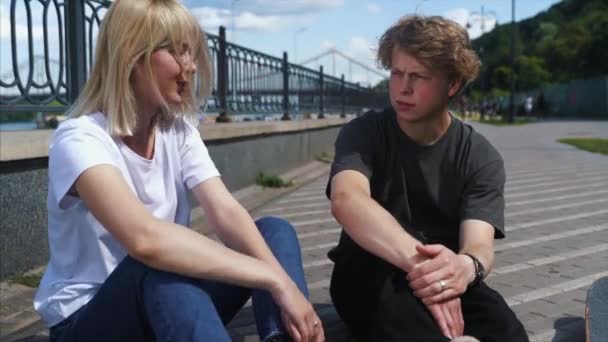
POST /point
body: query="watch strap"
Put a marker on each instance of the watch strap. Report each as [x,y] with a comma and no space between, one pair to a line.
[480,271]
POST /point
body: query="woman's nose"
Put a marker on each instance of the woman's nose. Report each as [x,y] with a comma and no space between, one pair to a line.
[190,64]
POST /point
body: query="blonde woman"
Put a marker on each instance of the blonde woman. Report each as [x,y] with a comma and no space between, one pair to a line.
[123,266]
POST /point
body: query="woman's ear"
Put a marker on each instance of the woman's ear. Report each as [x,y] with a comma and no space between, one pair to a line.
[138,71]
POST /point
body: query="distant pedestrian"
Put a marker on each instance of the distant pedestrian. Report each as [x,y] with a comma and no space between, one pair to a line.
[528,105]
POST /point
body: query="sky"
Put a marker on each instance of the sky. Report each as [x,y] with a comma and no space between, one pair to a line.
[303,28]
[308,28]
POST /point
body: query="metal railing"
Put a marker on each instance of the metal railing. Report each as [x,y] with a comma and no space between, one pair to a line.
[246,81]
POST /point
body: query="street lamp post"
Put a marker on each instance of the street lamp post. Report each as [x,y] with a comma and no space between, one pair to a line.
[295,42]
[481,17]
[512,108]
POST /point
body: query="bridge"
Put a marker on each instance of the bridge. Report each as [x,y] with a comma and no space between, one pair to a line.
[246,81]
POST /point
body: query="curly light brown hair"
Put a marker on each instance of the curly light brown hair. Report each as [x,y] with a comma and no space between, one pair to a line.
[437,42]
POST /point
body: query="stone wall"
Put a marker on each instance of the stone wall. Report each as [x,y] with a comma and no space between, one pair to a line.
[239,150]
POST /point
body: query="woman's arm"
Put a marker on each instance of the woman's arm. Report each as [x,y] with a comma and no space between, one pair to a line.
[164,245]
[232,222]
[170,247]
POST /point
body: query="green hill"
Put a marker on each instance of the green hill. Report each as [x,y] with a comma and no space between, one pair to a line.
[567,41]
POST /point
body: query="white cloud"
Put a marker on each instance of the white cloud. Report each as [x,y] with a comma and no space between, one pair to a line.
[261,15]
[211,18]
[326,45]
[364,51]
[373,8]
[293,7]
[361,49]
[251,21]
[459,15]
[473,21]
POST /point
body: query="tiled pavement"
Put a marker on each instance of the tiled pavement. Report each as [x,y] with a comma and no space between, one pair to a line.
[556,221]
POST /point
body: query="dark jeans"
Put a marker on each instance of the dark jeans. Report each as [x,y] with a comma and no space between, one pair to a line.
[375,302]
[138,303]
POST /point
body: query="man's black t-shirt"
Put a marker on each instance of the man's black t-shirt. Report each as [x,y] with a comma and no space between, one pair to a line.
[430,190]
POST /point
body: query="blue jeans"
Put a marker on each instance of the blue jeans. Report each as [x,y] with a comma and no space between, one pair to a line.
[138,303]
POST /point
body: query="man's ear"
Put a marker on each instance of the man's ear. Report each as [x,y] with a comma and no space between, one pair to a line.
[454,87]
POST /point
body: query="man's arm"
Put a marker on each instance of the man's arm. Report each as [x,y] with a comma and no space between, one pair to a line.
[448,274]
[477,239]
[369,224]
[376,230]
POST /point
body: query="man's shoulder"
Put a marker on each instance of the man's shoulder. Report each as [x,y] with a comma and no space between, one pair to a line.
[371,118]
[481,148]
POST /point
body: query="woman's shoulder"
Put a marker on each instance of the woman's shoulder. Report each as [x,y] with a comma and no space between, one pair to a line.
[88,129]
[94,123]
[181,131]
[183,125]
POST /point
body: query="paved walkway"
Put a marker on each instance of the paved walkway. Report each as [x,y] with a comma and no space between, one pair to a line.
[556,245]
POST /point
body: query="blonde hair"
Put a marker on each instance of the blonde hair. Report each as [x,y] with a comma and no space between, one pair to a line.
[437,42]
[134,29]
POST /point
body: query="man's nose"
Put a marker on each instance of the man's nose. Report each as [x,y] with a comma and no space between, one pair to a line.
[406,85]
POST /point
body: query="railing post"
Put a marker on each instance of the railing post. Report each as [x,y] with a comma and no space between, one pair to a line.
[75,45]
[222,77]
[321,95]
[285,69]
[343,98]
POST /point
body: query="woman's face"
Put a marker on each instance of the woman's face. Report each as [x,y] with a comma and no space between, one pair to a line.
[172,71]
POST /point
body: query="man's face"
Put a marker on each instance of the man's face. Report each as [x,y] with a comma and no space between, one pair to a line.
[417,92]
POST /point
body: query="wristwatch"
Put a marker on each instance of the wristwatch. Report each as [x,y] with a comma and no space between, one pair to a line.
[480,272]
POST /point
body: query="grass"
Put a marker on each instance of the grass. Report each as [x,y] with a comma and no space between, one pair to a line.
[271,181]
[595,145]
[498,121]
[30,280]
[324,157]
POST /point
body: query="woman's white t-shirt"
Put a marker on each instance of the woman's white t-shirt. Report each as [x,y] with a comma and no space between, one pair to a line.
[82,252]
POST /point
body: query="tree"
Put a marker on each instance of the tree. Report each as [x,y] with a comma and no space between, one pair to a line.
[531,73]
[382,85]
[501,77]
[568,41]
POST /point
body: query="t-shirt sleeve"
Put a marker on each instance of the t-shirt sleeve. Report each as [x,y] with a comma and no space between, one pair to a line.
[75,147]
[483,197]
[353,149]
[195,161]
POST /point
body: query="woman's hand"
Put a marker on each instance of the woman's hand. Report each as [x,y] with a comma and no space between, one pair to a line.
[299,317]
[444,276]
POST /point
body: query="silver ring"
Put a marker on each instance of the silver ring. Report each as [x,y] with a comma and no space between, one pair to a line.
[442,284]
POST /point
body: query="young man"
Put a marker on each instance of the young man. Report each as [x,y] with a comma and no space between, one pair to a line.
[420,197]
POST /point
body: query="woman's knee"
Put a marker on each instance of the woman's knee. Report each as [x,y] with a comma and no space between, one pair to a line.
[272,227]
